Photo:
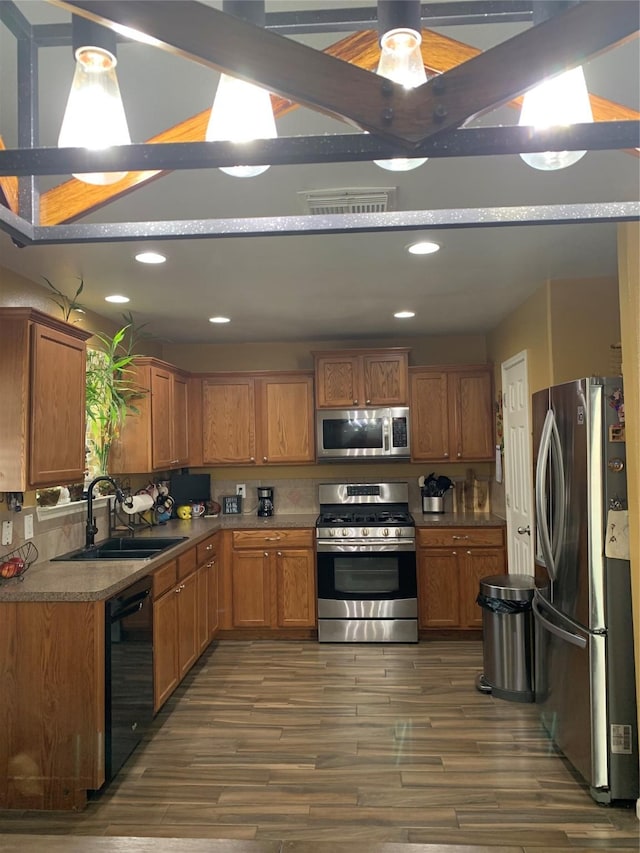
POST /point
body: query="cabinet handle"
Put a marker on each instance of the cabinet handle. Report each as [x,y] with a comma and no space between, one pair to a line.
[459,454]
[368,402]
[469,553]
[272,538]
[209,547]
[266,553]
[455,553]
[459,537]
[177,589]
[355,402]
[252,459]
[446,454]
[264,459]
[210,565]
[279,553]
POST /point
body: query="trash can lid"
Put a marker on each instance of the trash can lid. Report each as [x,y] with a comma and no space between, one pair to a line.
[509,587]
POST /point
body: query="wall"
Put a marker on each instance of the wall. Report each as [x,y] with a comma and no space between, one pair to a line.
[629,272]
[297,355]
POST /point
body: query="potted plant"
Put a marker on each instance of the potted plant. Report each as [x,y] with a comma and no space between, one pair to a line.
[111,391]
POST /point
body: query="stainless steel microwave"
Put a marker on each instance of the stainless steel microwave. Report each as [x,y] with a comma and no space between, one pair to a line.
[363,433]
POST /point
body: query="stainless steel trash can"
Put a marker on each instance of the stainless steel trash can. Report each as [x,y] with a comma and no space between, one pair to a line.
[508,637]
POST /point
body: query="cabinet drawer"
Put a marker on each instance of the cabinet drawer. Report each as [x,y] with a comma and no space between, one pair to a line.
[273,538]
[165,578]
[207,549]
[468,536]
[186,563]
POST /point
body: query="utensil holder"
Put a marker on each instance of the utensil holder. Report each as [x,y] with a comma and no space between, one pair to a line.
[432,504]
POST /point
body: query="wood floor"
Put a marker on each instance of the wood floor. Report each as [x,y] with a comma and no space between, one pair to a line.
[301,747]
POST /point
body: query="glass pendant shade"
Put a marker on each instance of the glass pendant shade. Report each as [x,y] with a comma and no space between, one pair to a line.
[401,61]
[94,116]
[557,102]
[241,113]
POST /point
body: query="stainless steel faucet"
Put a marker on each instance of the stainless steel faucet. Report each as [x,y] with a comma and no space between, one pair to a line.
[91,522]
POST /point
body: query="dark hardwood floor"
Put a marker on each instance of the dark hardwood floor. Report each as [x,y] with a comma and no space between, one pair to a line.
[300,747]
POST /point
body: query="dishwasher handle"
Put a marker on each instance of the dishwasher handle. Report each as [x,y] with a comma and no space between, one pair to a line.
[130,606]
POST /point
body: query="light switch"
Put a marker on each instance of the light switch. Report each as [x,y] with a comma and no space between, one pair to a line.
[7,532]
[28,525]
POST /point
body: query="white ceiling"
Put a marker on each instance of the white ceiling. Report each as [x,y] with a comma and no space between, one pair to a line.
[315,287]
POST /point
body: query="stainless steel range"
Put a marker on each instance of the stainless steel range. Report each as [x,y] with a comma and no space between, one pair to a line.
[366,564]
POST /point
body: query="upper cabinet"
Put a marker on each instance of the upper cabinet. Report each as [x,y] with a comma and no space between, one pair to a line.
[257,419]
[42,388]
[452,414]
[348,378]
[156,438]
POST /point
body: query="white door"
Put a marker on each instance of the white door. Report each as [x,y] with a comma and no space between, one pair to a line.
[518,474]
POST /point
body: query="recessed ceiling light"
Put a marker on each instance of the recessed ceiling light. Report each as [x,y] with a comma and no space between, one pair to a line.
[404,315]
[219,320]
[423,247]
[116,298]
[150,258]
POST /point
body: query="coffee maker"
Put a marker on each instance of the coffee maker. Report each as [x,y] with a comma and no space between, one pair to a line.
[265,501]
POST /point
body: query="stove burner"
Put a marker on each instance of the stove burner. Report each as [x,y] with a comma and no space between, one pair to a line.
[372,518]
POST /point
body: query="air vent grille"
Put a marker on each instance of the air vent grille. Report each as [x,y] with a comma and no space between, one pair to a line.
[348,200]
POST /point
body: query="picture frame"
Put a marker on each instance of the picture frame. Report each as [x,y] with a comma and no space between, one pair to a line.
[232,505]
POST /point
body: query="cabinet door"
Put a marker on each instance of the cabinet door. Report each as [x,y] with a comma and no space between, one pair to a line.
[228,420]
[286,420]
[202,596]
[57,440]
[295,584]
[429,416]
[338,381]
[477,563]
[438,588]
[250,589]
[165,647]
[472,414]
[187,598]
[385,379]
[180,448]
[161,417]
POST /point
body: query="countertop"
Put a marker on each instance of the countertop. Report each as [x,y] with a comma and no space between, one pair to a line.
[90,581]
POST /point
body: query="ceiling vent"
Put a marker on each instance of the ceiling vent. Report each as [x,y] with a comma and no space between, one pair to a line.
[349,200]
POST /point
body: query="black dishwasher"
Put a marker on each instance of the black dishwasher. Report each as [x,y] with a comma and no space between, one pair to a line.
[128,672]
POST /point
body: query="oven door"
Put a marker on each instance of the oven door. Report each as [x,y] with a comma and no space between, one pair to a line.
[367,584]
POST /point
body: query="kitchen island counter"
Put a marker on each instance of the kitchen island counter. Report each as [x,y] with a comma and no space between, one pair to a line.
[90,581]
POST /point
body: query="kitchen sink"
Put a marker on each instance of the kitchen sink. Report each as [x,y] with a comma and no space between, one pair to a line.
[123,548]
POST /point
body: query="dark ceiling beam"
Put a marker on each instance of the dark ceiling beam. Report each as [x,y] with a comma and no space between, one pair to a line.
[282,226]
[328,148]
[310,77]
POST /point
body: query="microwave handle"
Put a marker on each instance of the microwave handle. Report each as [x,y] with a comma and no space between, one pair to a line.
[385,435]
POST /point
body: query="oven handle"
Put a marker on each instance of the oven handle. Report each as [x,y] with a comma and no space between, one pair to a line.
[365,547]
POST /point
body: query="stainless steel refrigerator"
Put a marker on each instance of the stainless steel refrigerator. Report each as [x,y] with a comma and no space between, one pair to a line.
[585,674]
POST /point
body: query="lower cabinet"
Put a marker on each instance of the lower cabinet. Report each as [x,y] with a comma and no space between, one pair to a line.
[52,718]
[451,563]
[272,579]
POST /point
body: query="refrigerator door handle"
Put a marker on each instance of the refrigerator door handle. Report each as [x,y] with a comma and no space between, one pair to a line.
[562,633]
[559,494]
[541,495]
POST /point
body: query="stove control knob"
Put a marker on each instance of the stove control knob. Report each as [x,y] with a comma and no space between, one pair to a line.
[385,532]
[365,531]
[345,532]
[398,533]
[332,532]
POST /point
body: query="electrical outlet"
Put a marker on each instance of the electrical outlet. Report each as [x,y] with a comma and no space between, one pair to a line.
[241,489]
[7,532]
[28,525]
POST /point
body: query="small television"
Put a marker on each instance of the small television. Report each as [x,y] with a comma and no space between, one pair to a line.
[189,488]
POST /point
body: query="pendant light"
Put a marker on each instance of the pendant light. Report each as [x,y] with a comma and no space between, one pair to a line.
[557,102]
[401,59]
[242,111]
[94,117]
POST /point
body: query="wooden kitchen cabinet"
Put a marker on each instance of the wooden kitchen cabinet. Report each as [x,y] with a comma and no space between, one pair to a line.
[258,419]
[52,720]
[156,438]
[451,563]
[452,414]
[348,378]
[42,388]
[176,623]
[208,564]
[272,579]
